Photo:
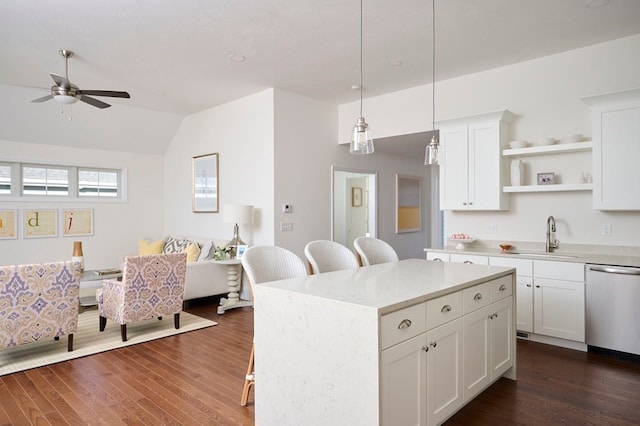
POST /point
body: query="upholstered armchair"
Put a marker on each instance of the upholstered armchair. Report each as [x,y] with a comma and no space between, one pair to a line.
[152,286]
[38,302]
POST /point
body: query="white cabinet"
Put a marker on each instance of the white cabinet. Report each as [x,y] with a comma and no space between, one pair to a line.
[472,172]
[469,258]
[559,304]
[524,289]
[438,256]
[616,149]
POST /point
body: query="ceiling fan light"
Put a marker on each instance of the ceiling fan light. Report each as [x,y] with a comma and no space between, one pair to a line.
[361,141]
[65,99]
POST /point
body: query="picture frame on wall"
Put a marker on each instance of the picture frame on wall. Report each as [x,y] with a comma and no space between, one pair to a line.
[356,197]
[8,224]
[204,182]
[77,222]
[546,178]
[40,223]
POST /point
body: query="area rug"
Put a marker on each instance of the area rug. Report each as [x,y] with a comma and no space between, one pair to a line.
[88,340]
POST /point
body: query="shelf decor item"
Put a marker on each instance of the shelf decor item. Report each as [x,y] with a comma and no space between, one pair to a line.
[77,257]
[546,179]
[516,172]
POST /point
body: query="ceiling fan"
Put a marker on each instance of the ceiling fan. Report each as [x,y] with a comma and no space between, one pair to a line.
[66,92]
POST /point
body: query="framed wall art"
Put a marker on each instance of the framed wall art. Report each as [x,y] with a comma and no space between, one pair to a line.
[77,222]
[546,178]
[8,224]
[356,197]
[40,223]
[204,181]
[408,204]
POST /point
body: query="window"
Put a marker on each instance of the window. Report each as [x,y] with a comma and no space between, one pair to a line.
[5,179]
[45,180]
[97,183]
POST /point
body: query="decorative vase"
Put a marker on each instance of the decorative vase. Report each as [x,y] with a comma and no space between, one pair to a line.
[77,258]
[516,172]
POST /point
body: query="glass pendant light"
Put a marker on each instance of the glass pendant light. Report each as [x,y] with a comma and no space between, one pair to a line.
[361,140]
[431,156]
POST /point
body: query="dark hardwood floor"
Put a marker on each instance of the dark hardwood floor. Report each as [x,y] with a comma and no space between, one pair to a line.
[196,378]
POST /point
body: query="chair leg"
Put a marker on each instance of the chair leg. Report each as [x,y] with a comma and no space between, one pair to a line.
[249,379]
[70,343]
[123,332]
[159,318]
[56,338]
[176,320]
[103,323]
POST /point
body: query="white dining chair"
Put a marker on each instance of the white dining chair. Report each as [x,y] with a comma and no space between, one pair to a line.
[372,251]
[327,256]
[263,264]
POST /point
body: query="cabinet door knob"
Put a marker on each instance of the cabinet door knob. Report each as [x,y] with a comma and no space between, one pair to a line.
[502,287]
[445,309]
[405,323]
[477,297]
[537,286]
[464,204]
[470,203]
[528,285]
[425,348]
[433,344]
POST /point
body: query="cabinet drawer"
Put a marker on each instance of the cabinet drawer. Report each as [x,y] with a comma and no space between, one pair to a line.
[469,258]
[437,256]
[524,267]
[404,324]
[476,297]
[444,309]
[501,288]
[558,270]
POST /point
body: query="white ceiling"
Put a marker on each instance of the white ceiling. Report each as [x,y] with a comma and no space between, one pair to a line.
[174,57]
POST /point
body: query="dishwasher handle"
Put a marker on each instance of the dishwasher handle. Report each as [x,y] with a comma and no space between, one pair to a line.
[614,270]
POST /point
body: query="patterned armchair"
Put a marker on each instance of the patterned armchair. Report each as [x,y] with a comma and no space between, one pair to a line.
[37,302]
[151,286]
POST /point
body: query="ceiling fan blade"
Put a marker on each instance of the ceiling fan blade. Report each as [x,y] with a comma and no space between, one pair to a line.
[61,81]
[42,99]
[110,93]
[95,102]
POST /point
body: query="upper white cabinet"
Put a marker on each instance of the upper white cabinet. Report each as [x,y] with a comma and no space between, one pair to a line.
[472,172]
[616,149]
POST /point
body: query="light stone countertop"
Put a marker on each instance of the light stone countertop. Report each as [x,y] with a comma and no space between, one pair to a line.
[579,253]
[390,286]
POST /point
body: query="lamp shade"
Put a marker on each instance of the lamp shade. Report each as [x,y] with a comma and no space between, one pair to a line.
[238,213]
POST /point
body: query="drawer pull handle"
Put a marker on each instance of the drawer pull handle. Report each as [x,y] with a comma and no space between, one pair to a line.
[502,287]
[537,286]
[477,297]
[437,259]
[405,323]
[445,309]
[468,261]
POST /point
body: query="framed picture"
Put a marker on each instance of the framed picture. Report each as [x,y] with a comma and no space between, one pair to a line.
[8,224]
[408,204]
[40,223]
[356,197]
[77,222]
[546,179]
[240,249]
[204,182]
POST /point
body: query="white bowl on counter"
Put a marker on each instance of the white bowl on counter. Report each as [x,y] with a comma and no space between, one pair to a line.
[572,138]
[545,141]
[518,144]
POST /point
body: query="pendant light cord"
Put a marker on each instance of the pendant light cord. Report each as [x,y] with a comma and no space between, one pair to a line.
[361,72]
[433,62]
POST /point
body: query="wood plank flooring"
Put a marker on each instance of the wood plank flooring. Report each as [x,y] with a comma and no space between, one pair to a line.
[196,379]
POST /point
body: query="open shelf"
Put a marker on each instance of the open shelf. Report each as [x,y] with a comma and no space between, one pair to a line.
[549,149]
[550,188]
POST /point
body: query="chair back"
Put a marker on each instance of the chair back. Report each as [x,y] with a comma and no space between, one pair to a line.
[373,251]
[327,256]
[38,302]
[271,263]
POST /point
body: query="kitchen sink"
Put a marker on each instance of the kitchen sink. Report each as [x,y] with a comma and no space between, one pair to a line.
[546,255]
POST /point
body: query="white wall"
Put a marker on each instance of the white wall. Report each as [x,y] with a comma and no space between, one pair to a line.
[242,133]
[117,226]
[545,94]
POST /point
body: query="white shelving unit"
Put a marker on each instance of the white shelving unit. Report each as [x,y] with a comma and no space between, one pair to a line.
[549,149]
[550,188]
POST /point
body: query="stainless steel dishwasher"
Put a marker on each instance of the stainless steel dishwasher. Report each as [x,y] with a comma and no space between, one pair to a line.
[613,308]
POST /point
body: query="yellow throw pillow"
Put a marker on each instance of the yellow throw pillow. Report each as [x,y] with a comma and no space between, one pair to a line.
[146,247]
[193,252]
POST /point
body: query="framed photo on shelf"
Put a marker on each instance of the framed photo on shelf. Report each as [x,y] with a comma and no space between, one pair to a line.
[8,224]
[546,179]
[240,251]
[356,197]
[204,183]
[77,222]
[40,223]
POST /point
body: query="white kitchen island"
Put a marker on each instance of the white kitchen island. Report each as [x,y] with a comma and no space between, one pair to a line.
[407,342]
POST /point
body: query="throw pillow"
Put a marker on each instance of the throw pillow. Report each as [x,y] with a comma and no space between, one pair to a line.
[204,250]
[193,251]
[174,245]
[146,247]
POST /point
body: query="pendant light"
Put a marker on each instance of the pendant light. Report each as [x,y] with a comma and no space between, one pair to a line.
[431,156]
[361,140]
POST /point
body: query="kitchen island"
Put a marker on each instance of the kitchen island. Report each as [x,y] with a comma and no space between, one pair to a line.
[407,342]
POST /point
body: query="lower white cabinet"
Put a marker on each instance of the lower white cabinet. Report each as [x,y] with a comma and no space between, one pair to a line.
[524,289]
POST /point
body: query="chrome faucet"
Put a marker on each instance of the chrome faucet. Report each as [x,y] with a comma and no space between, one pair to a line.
[551,242]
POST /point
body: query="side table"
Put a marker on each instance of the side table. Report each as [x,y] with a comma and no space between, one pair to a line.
[93,279]
[234,278]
